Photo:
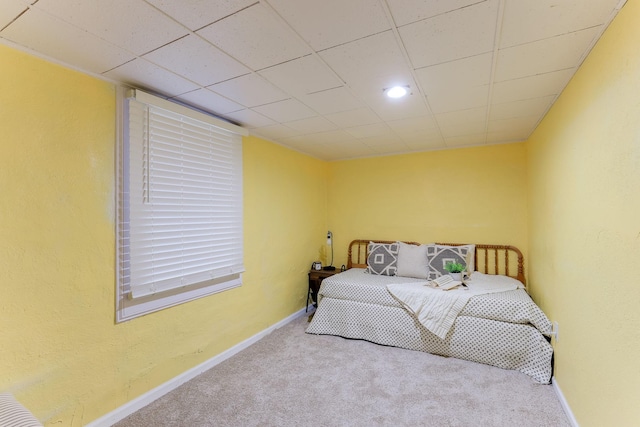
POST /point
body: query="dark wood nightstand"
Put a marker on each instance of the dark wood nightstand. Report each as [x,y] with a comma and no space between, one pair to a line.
[315,279]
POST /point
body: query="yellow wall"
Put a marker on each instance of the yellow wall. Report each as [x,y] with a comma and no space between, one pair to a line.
[584,187]
[569,197]
[60,352]
[285,203]
[471,195]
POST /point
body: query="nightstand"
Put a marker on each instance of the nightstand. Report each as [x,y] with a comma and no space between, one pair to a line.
[315,279]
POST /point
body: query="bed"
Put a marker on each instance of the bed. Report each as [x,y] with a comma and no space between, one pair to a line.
[505,329]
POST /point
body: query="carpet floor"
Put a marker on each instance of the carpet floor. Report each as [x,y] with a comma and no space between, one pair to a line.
[290,378]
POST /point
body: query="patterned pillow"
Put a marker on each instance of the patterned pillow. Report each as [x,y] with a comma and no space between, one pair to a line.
[440,255]
[382,259]
[412,261]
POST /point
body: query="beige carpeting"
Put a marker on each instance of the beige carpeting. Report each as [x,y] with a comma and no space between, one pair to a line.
[290,378]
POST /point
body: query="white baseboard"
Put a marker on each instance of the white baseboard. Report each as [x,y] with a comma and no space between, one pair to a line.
[564,403]
[142,401]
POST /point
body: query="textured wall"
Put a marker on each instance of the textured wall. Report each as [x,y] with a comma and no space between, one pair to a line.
[584,186]
[61,353]
[475,195]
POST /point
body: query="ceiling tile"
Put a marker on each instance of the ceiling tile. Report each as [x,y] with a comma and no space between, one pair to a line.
[465,140]
[285,111]
[530,87]
[522,125]
[302,76]
[132,25]
[57,39]
[366,131]
[312,125]
[529,20]
[458,34]
[394,109]
[302,72]
[255,37]
[426,145]
[298,142]
[527,107]
[370,65]
[249,118]
[553,54]
[345,150]
[453,98]
[390,149]
[213,66]
[413,124]
[332,136]
[353,147]
[144,75]
[331,101]
[10,10]
[350,20]
[468,72]
[195,14]
[467,122]
[210,101]
[424,142]
[324,151]
[407,11]
[360,116]
[250,90]
[381,140]
[275,132]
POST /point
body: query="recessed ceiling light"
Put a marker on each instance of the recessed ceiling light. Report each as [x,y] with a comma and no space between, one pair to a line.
[397,91]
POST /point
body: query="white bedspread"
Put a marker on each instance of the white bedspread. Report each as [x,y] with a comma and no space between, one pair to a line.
[503,329]
[437,309]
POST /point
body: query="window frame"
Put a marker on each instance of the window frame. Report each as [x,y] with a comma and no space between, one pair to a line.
[128,308]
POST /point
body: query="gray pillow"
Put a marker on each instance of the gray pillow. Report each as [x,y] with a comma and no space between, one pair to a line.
[440,255]
[412,261]
[382,259]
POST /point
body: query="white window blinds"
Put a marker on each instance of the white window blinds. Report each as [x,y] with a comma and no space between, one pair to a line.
[184,200]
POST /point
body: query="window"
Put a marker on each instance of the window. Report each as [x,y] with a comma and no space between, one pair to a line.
[179,205]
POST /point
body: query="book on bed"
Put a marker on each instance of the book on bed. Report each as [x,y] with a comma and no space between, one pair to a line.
[445,283]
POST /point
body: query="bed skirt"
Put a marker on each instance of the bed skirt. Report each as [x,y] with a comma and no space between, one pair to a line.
[514,346]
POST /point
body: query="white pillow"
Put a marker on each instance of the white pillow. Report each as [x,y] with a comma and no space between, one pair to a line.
[412,261]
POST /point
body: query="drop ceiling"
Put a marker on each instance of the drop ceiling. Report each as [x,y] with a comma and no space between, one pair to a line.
[311,74]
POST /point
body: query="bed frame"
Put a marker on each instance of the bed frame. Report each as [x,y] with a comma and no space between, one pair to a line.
[488,259]
[518,344]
